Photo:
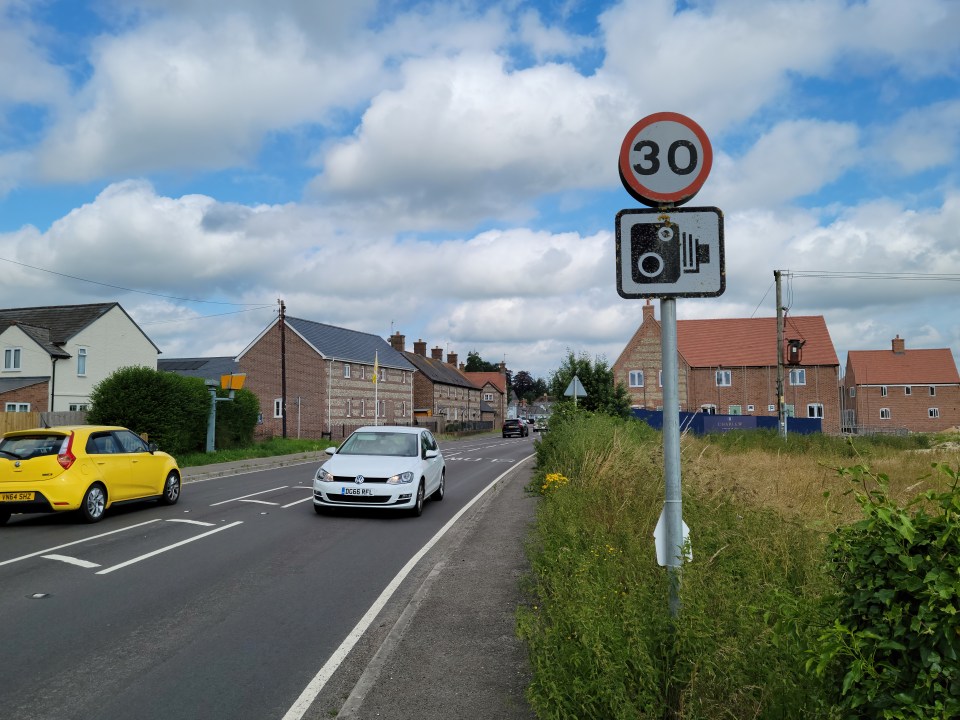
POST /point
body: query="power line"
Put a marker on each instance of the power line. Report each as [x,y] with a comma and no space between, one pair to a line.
[126,289]
[204,317]
[859,275]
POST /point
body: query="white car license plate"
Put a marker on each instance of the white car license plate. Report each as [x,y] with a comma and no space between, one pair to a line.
[356,491]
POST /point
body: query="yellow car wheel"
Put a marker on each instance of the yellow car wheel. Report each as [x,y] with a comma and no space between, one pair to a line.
[171,489]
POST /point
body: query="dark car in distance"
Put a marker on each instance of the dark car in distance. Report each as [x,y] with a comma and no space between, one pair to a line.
[516,428]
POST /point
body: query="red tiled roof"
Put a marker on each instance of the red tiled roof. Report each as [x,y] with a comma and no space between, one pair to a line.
[911,367]
[481,378]
[752,342]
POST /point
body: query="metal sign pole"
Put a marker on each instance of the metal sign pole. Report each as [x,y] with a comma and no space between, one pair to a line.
[673,509]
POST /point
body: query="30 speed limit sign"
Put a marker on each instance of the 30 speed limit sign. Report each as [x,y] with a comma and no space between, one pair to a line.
[665,159]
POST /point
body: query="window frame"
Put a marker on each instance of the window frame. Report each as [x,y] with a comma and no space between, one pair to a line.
[815,411]
[798,377]
[885,414]
[81,362]
[933,413]
[724,375]
[16,407]
[346,371]
[277,408]
[13,359]
[632,378]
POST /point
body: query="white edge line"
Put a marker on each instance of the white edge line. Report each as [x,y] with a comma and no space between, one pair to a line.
[297,502]
[71,561]
[223,502]
[168,547]
[77,542]
[315,686]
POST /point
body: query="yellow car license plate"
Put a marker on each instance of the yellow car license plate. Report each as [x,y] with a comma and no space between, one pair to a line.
[16,496]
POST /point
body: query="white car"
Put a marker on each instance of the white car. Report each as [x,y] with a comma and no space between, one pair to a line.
[386,466]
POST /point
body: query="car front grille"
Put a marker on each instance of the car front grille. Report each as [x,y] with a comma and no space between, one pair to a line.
[365,499]
[350,479]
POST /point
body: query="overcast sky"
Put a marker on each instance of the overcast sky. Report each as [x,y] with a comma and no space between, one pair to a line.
[448,170]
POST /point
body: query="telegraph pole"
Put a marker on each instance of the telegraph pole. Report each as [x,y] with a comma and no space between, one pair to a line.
[283,368]
[781,405]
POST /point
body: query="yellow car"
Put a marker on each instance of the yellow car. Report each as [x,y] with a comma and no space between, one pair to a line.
[83,467]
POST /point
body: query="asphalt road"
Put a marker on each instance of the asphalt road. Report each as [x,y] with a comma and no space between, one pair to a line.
[225,605]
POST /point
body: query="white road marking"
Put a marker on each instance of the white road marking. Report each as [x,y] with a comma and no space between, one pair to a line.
[242,497]
[77,542]
[192,522]
[315,686]
[168,547]
[262,502]
[297,502]
[71,560]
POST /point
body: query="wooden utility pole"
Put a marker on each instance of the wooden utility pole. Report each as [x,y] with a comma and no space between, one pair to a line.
[283,368]
[781,405]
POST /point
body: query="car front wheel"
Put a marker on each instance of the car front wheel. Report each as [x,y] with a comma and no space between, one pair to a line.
[417,509]
[93,504]
[171,489]
[438,493]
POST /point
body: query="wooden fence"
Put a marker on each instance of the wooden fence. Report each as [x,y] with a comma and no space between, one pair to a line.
[26,420]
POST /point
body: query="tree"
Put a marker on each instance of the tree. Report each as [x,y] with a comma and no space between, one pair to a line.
[604,395]
[475,363]
[523,385]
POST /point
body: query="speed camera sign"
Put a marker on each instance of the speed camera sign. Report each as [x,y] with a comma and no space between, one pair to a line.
[665,159]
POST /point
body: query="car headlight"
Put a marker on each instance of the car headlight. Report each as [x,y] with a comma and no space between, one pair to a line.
[323,476]
[404,477]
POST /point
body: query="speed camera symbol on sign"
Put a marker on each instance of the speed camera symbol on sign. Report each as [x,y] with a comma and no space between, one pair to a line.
[665,159]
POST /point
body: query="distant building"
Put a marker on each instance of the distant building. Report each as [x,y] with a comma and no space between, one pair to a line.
[439,389]
[328,378]
[729,367]
[900,389]
[53,356]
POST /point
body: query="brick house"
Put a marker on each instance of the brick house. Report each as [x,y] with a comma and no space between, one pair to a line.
[53,356]
[329,379]
[900,389]
[493,393]
[439,389]
[729,366]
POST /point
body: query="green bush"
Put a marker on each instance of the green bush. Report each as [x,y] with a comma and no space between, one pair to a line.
[236,419]
[170,409]
[894,650]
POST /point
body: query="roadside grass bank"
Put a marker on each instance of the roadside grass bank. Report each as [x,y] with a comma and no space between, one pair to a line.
[758,600]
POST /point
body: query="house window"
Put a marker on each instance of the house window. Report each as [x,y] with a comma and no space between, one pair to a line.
[798,376]
[883,391]
[750,408]
[82,361]
[884,413]
[933,391]
[11,358]
[403,409]
[363,372]
[363,408]
[79,407]
[403,378]
[734,410]
[488,397]
[907,390]
[348,411]
[815,410]
[636,378]
[708,409]
[382,409]
[853,392]
[17,407]
[382,377]
[660,378]
[278,408]
[933,412]
[771,408]
[724,378]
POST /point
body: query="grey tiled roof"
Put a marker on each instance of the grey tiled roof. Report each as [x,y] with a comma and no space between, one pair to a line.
[15,383]
[210,368]
[438,371]
[62,321]
[351,345]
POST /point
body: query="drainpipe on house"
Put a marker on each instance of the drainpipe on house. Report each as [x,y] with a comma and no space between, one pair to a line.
[53,384]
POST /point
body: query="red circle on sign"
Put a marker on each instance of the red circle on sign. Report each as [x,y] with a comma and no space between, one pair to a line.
[651,191]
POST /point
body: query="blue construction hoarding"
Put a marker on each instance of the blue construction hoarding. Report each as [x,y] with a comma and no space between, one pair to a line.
[702,424]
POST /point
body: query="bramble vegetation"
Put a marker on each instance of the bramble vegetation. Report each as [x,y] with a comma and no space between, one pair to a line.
[757,635]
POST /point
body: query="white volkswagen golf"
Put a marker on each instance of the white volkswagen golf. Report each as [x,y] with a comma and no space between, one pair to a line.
[386,466]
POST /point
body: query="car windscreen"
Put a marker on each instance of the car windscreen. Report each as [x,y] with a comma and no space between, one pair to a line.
[380,443]
[30,446]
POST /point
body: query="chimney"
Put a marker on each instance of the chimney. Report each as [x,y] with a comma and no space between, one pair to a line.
[899,345]
[452,359]
[503,367]
[437,353]
[398,341]
[648,312]
[463,367]
[420,348]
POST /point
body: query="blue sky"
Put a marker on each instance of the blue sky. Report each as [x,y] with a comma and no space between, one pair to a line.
[448,170]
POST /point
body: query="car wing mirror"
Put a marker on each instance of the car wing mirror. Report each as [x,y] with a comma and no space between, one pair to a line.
[330,451]
[431,454]
[153,447]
